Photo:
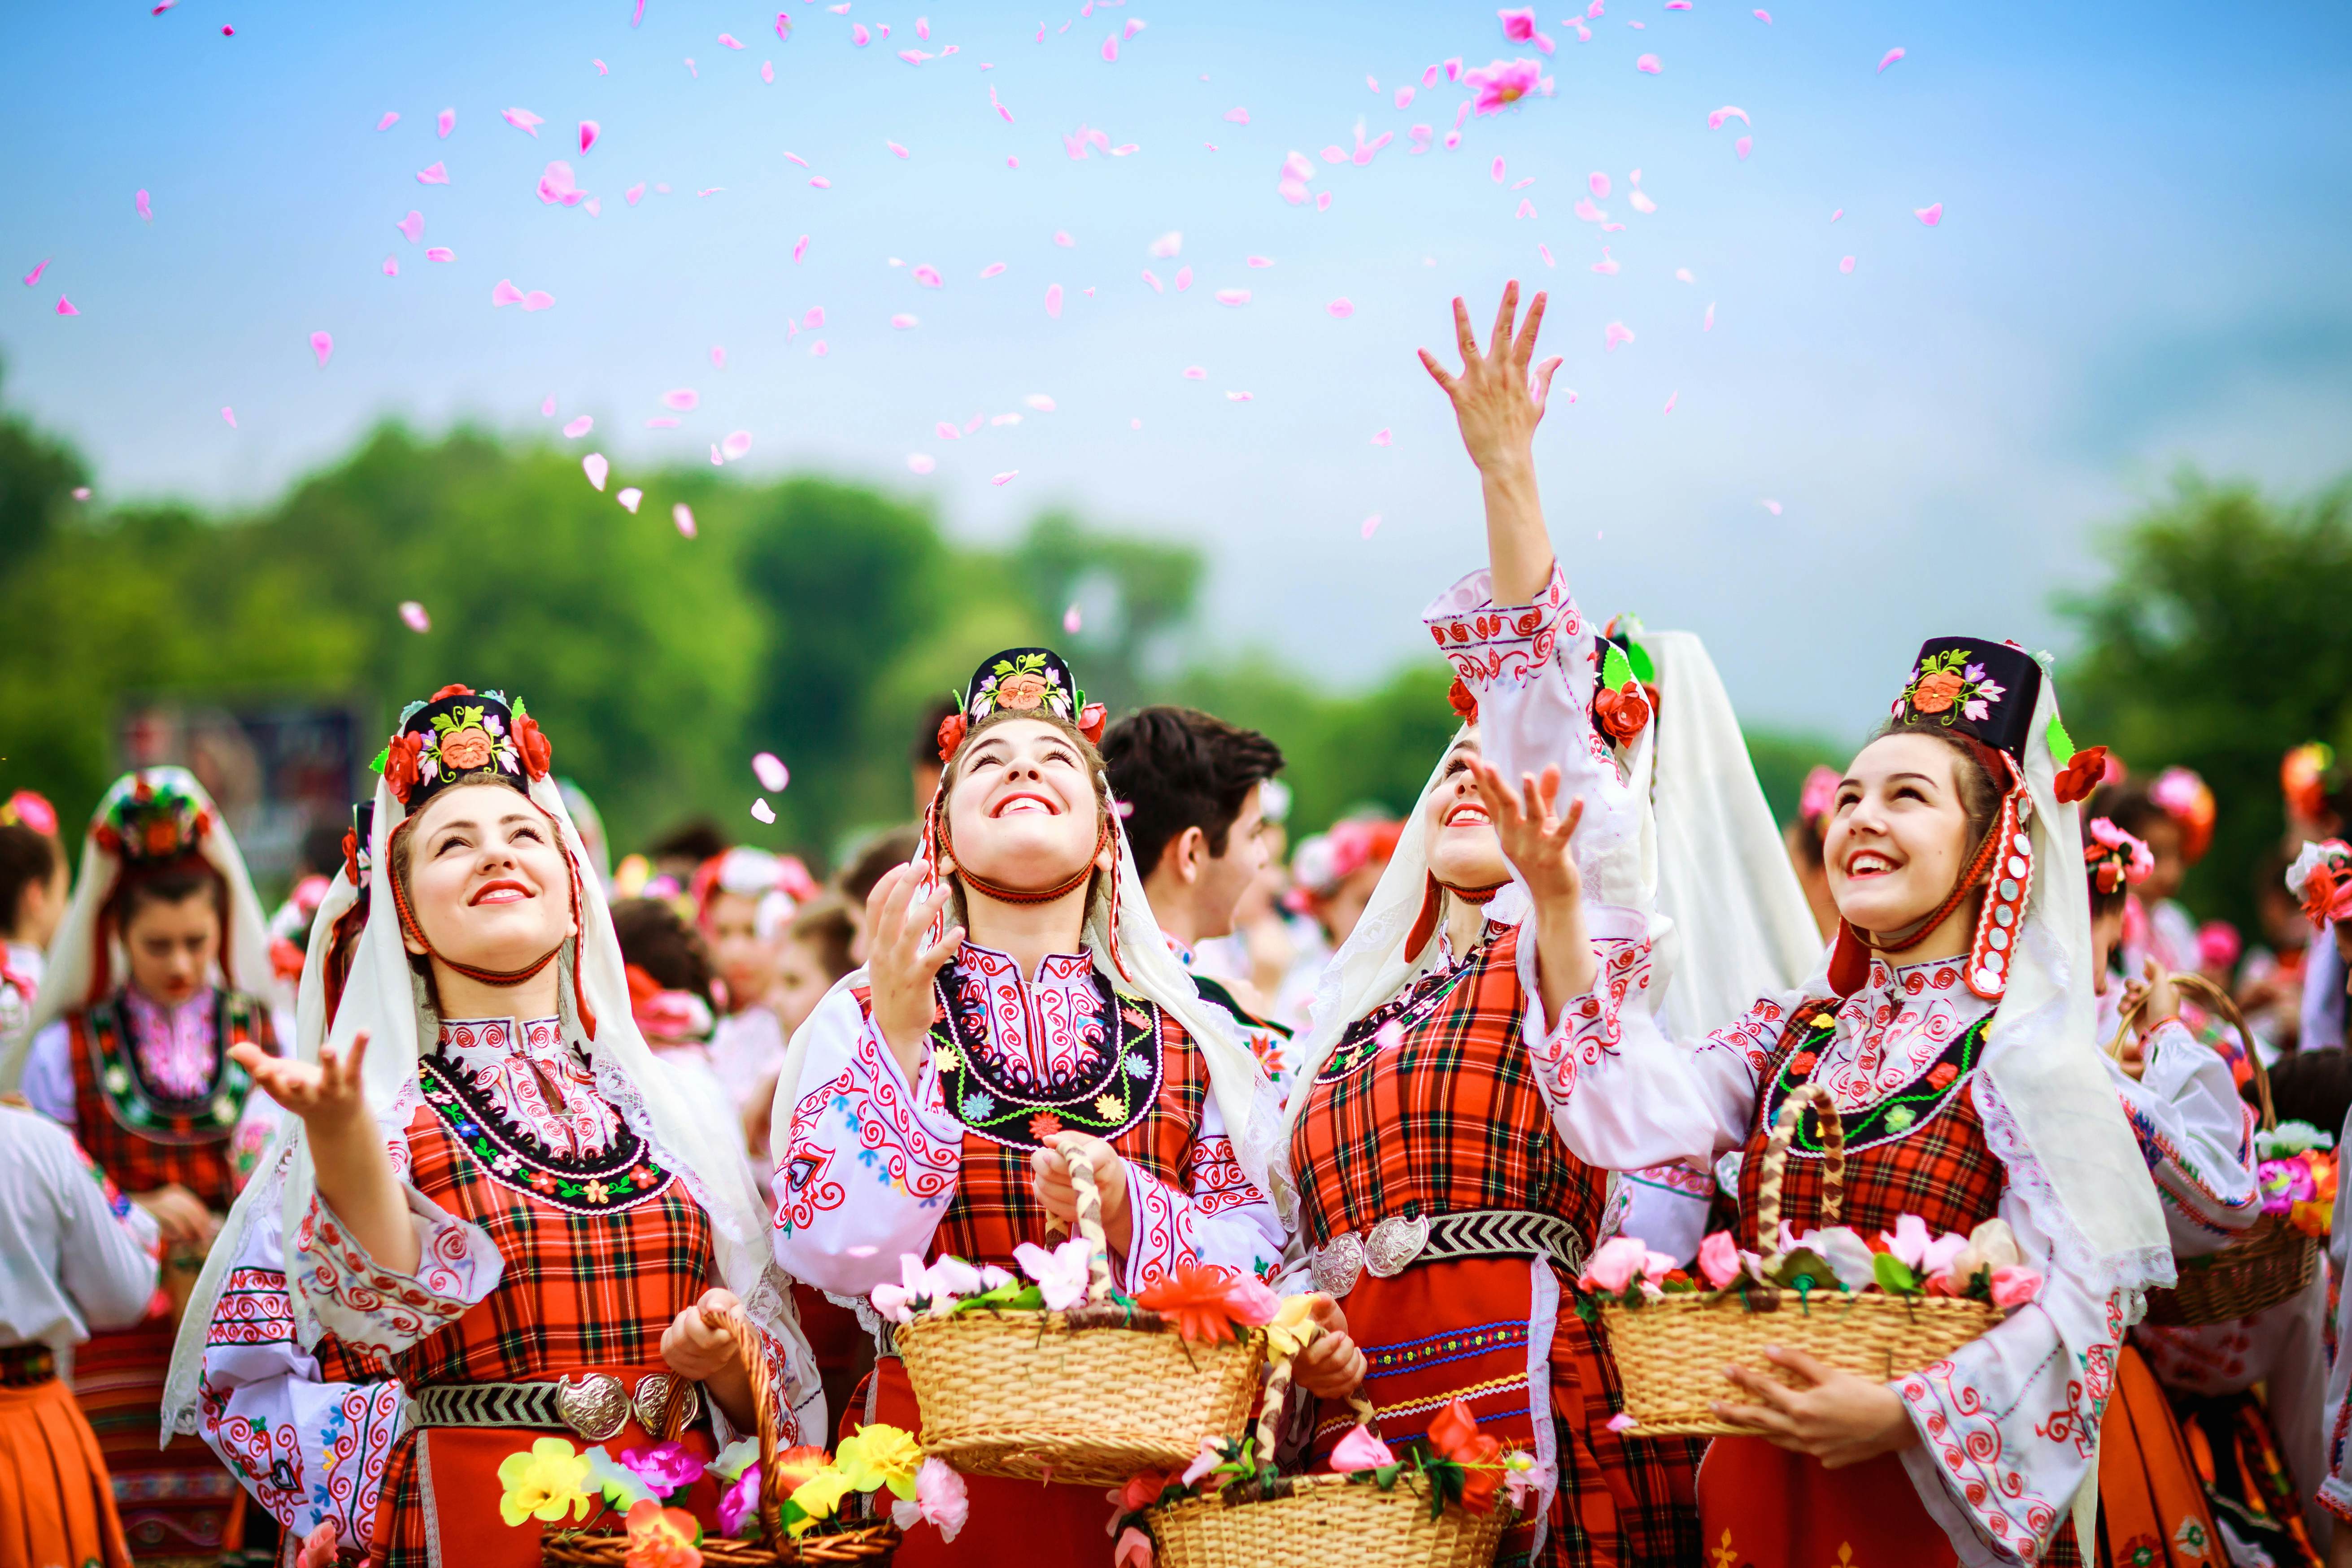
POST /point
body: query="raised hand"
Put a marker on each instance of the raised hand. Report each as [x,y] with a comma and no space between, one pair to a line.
[347,1151]
[326,1094]
[902,963]
[1497,401]
[1536,836]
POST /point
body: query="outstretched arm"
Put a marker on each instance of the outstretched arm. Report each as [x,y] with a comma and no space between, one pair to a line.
[1498,402]
[1536,836]
[354,1173]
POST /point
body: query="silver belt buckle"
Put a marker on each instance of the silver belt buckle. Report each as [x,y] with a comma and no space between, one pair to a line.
[654,1393]
[596,1408]
[1395,1243]
[1339,1263]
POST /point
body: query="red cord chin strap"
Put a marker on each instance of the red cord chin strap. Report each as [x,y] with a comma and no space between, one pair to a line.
[1005,895]
[1425,924]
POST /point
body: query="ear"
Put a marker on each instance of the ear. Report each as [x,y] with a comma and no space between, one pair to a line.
[1191,849]
[415,948]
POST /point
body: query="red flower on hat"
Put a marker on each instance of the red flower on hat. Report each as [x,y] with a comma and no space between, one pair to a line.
[352,854]
[404,765]
[2082,774]
[951,730]
[538,751]
[1091,719]
[1622,715]
[451,692]
[1462,701]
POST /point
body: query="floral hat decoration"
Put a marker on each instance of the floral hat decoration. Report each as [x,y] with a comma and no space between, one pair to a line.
[2113,857]
[2186,799]
[1020,680]
[154,822]
[458,736]
[2322,878]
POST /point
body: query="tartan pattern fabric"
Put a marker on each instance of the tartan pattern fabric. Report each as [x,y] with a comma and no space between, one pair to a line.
[1939,1167]
[1448,1119]
[136,1162]
[993,1210]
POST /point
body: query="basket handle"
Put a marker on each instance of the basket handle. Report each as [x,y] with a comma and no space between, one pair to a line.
[1076,1149]
[2222,1002]
[755,1366]
[1776,1162]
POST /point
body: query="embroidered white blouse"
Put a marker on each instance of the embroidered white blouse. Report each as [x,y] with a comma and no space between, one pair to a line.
[2007,1424]
[873,1161]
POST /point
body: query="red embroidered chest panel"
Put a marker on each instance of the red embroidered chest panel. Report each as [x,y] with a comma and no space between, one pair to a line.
[1444,1117]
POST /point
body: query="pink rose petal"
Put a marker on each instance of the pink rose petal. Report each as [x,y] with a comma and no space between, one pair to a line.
[537,299]
[1887,59]
[1196,373]
[440,253]
[412,616]
[433,175]
[727,41]
[589,132]
[1258,260]
[1763,17]
[1743,144]
[1340,309]
[579,427]
[1615,333]
[392,267]
[145,211]
[929,277]
[228,416]
[1153,279]
[1715,121]
[1381,439]
[1837,215]
[1053,301]
[761,812]
[632,193]
[1371,524]
[1062,238]
[413,226]
[1671,398]
[323,345]
[992,269]
[1040,402]
[523,120]
[1238,397]
[821,183]
[1845,264]
[1110,48]
[629,498]
[1232,295]
[505,294]
[1647,65]
[737,444]
[594,466]
[770,770]
[767,72]
[1709,325]
[1071,621]
[661,422]
[903,320]
[1931,216]
[683,516]
[813,318]
[859,35]
[1004,478]
[34,275]
[547,409]
[682,398]
[601,68]
[1527,208]
[1183,278]
[391,119]
[447,121]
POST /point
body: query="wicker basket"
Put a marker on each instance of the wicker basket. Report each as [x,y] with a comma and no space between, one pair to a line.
[838,1543]
[1320,1522]
[1089,1396]
[1671,1352]
[2267,1263]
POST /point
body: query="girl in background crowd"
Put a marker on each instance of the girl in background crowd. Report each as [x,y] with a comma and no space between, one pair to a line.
[155,980]
[745,900]
[1816,803]
[524,1221]
[921,1108]
[2172,815]
[81,1257]
[33,890]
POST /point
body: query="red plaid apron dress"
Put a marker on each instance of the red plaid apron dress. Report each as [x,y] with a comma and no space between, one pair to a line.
[177,1501]
[1021,1522]
[1920,1151]
[1448,1119]
[593,1275]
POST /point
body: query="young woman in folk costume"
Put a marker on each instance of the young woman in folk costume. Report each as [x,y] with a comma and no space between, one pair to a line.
[523,1220]
[155,976]
[1952,1022]
[1018,986]
[1432,1195]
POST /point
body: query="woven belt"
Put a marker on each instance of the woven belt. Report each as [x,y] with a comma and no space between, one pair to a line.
[1397,1244]
[595,1406]
[23,1366]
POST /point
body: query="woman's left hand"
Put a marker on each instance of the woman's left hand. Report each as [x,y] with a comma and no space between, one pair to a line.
[1499,398]
[1050,1182]
[1840,1419]
[1332,1367]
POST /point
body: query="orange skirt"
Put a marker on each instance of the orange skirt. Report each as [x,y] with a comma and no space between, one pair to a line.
[56,1504]
[2153,1511]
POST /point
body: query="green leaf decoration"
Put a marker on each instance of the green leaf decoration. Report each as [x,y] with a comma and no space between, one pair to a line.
[1805,1269]
[1385,1477]
[380,758]
[1644,668]
[1894,1274]
[1616,669]
[2062,744]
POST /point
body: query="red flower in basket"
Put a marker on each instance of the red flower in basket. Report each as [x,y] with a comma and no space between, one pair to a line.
[1456,1437]
[1193,1298]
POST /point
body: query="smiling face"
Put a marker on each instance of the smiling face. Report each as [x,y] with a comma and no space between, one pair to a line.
[1900,835]
[1021,808]
[484,878]
[1465,850]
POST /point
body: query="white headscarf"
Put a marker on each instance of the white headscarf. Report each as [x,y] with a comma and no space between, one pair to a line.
[385,999]
[73,966]
[1146,966]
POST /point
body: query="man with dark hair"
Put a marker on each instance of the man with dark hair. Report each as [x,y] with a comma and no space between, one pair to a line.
[1187,784]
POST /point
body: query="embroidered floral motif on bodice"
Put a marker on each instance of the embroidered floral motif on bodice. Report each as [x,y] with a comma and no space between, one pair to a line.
[1042,1034]
[176,1046]
[533,1082]
[1894,1029]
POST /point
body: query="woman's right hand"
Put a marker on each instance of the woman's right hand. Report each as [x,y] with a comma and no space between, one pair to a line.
[1333,1366]
[179,1215]
[902,964]
[327,1095]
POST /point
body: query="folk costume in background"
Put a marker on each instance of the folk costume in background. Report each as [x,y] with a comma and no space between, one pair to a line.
[1970,1088]
[567,1201]
[1418,1124]
[1111,1040]
[79,1257]
[149,1091]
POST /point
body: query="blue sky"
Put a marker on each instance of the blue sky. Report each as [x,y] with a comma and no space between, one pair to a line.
[2141,262]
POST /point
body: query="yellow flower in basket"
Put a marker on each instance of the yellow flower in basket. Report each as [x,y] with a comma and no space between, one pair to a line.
[880,1455]
[542,1481]
[1294,1328]
[817,1497]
